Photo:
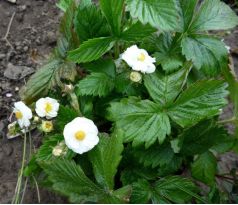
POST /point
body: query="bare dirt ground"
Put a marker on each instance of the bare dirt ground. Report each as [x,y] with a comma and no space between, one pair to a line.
[31,37]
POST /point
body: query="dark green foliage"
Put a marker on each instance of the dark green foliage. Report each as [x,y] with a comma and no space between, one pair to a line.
[166,132]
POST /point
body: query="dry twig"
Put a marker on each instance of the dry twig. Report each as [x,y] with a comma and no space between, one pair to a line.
[8,30]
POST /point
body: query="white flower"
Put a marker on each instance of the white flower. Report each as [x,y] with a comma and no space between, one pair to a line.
[139,60]
[23,114]
[47,107]
[135,76]
[81,135]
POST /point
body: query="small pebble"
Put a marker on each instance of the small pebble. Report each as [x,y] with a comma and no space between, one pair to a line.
[25,48]
[8,95]
[16,89]
[2,56]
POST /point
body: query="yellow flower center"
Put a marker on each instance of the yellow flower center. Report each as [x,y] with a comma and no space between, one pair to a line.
[141,57]
[18,115]
[48,125]
[80,135]
[48,107]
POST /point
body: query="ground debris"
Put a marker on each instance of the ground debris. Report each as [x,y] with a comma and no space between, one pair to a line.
[14,72]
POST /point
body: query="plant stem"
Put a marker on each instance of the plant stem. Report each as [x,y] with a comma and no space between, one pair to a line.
[116,50]
[16,198]
[233,119]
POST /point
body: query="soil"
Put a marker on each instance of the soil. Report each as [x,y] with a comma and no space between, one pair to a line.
[31,37]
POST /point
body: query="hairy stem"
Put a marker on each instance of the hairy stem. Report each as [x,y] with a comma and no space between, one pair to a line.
[16,198]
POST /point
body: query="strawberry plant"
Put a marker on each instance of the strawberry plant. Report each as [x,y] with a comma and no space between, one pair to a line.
[129,103]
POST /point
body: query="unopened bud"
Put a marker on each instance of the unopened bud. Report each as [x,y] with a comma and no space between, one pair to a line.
[60,149]
[36,119]
[135,76]
[68,88]
[57,151]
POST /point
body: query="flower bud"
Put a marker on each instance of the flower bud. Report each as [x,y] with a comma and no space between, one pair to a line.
[60,149]
[135,76]
[12,129]
[57,151]
[68,88]
[47,126]
[36,119]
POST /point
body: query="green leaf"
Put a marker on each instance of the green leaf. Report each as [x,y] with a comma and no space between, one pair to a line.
[113,12]
[46,78]
[106,66]
[143,121]
[90,23]
[204,168]
[123,193]
[70,180]
[168,52]
[95,84]
[207,53]
[91,50]
[166,190]
[105,159]
[124,85]
[187,9]
[85,3]
[165,89]
[65,115]
[156,155]
[64,4]
[160,14]
[201,137]
[214,15]
[67,28]
[201,100]
[137,31]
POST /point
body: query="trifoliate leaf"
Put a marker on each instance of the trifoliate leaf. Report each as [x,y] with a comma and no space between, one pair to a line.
[143,121]
[160,14]
[91,50]
[164,89]
[95,84]
[137,31]
[90,23]
[106,157]
[201,100]
[207,53]
[113,10]
[204,168]
[214,15]
[166,190]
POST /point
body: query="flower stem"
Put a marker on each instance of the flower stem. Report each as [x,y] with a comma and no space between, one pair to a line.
[16,198]
[233,119]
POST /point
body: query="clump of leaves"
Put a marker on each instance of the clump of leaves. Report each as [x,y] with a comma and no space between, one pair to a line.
[161,135]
